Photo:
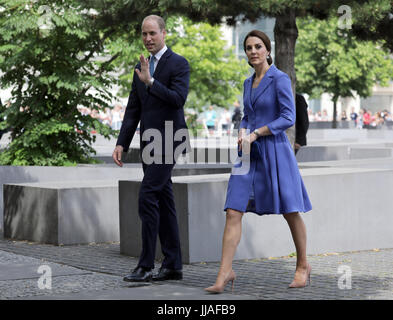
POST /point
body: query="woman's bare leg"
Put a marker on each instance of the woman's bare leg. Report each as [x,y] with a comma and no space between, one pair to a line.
[230,241]
[299,235]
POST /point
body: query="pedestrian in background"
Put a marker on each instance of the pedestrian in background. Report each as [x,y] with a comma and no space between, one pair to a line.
[354,117]
[343,115]
[302,122]
[210,120]
[116,117]
[366,119]
[236,118]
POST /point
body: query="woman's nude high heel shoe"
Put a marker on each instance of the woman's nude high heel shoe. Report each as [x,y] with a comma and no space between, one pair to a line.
[220,288]
[298,284]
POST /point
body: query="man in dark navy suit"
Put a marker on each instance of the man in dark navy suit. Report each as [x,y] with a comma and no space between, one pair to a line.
[158,94]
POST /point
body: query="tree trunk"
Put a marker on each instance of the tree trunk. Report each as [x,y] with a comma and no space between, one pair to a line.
[285,35]
[334,124]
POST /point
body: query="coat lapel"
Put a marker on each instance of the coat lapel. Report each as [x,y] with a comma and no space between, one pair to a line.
[247,93]
[264,84]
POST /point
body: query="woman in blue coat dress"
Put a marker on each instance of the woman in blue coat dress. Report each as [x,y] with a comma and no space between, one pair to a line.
[266,180]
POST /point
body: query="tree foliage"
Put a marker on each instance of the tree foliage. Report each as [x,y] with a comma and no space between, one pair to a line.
[48,58]
[330,59]
[373,21]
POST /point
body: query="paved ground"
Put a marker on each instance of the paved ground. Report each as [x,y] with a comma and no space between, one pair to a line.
[95,271]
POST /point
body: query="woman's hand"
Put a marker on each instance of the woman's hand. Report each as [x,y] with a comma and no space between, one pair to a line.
[244,141]
[240,137]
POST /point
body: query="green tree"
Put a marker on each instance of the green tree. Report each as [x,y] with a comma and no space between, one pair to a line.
[374,21]
[216,75]
[332,60]
[48,58]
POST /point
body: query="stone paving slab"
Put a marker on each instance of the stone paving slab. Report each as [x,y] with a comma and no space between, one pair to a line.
[149,292]
[23,282]
[30,271]
[371,272]
[69,283]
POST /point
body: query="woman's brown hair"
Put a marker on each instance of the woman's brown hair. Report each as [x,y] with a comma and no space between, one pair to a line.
[265,39]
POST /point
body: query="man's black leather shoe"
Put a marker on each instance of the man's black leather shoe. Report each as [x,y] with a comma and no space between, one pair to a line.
[139,274]
[168,274]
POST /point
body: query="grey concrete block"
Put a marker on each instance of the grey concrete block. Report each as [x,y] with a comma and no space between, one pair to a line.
[367,153]
[74,212]
[348,214]
[62,213]
[353,134]
[31,214]
[323,153]
[36,174]
[131,226]
[329,125]
[341,152]
[212,154]
[374,163]
[350,211]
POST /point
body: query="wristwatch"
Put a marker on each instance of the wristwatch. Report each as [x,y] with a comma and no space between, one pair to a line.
[256,132]
[151,81]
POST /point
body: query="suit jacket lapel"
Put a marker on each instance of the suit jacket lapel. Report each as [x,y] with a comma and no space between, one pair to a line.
[161,62]
[160,66]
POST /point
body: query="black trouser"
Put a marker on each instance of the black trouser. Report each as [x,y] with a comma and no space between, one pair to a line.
[158,214]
